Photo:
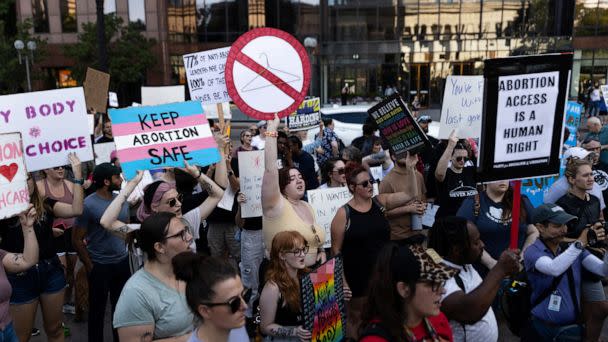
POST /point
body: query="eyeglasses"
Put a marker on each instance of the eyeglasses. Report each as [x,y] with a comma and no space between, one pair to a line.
[314,231]
[366,183]
[173,202]
[436,286]
[235,302]
[57,168]
[296,252]
[459,159]
[340,171]
[247,136]
[183,234]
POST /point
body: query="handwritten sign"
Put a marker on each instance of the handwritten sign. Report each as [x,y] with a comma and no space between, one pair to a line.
[103,151]
[307,116]
[152,137]
[14,193]
[462,107]
[113,99]
[397,126]
[205,74]
[41,119]
[251,168]
[96,86]
[325,203]
[152,96]
[323,302]
[604,89]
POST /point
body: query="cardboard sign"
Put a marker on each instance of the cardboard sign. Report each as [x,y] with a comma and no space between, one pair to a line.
[152,96]
[267,72]
[52,124]
[212,113]
[153,137]
[325,203]
[205,74]
[323,302]
[113,99]
[251,168]
[306,117]
[103,151]
[462,107]
[96,86]
[525,98]
[397,126]
[14,192]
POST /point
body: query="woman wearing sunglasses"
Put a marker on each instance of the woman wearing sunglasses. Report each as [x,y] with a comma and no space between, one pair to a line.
[215,295]
[358,231]
[282,205]
[333,174]
[281,310]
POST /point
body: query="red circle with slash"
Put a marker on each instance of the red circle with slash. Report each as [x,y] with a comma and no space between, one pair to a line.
[236,55]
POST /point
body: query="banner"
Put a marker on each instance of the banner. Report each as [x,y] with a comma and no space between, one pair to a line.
[103,151]
[323,302]
[251,171]
[96,86]
[325,203]
[52,124]
[525,98]
[152,96]
[462,107]
[205,74]
[397,126]
[14,192]
[307,116]
[153,137]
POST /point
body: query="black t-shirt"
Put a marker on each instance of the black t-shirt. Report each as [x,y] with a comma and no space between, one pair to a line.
[306,164]
[600,175]
[12,235]
[104,139]
[587,211]
[454,189]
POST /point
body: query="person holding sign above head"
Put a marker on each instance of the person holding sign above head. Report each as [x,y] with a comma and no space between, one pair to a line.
[455,182]
[282,205]
[333,174]
[43,283]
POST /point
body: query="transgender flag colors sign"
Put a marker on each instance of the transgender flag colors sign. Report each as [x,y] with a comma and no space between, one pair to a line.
[152,137]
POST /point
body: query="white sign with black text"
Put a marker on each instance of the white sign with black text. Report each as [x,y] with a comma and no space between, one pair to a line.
[462,107]
[325,203]
[205,74]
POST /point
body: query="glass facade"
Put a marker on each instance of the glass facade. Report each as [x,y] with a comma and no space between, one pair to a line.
[68,16]
[137,14]
[40,15]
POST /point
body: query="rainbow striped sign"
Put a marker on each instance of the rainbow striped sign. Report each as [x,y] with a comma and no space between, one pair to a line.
[152,137]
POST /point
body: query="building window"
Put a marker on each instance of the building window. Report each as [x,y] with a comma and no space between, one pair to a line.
[40,15]
[68,16]
[64,79]
[178,72]
[590,18]
[257,14]
[109,6]
[137,14]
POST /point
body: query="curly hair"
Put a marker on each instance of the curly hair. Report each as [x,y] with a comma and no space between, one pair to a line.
[277,271]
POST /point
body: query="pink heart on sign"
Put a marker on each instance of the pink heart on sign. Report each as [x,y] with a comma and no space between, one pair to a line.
[9,171]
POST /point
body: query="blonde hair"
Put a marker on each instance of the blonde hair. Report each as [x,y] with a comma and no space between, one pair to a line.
[572,167]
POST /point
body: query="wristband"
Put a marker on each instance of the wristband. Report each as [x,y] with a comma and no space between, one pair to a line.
[272,134]
[79,181]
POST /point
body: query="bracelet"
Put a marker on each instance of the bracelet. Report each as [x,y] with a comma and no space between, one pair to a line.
[199,175]
[79,181]
[272,134]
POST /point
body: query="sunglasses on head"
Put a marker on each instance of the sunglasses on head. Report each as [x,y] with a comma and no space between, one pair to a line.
[366,183]
[235,302]
[173,202]
[459,159]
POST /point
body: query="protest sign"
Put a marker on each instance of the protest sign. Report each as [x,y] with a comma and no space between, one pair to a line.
[227,200]
[307,116]
[153,137]
[103,151]
[152,96]
[205,74]
[325,203]
[251,169]
[525,98]
[462,107]
[572,121]
[96,86]
[377,173]
[323,302]
[14,192]
[604,89]
[52,124]
[211,111]
[113,99]
[397,126]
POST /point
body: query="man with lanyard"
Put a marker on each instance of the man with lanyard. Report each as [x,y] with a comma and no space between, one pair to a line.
[554,273]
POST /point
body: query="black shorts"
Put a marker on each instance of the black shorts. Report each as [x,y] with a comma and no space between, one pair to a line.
[63,243]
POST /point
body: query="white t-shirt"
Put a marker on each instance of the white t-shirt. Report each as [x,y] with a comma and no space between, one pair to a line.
[595,95]
[486,330]
[258,142]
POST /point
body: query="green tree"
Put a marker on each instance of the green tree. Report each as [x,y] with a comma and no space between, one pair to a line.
[129,52]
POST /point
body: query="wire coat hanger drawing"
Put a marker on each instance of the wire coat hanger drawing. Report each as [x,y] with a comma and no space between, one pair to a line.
[250,86]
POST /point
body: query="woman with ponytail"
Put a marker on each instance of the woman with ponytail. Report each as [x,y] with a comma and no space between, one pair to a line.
[215,295]
[281,310]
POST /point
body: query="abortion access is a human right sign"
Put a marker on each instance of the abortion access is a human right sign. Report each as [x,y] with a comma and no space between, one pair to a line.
[524,106]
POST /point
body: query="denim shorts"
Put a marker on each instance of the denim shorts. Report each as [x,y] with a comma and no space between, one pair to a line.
[46,277]
[8,334]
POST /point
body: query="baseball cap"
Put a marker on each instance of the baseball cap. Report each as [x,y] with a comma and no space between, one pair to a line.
[424,118]
[261,123]
[552,213]
[104,171]
[576,152]
[414,263]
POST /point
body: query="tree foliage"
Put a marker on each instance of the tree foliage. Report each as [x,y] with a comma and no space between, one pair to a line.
[129,52]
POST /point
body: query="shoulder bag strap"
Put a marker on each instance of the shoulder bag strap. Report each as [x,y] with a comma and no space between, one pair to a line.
[549,290]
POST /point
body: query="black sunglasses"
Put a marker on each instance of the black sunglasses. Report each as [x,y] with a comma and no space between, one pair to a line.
[366,183]
[57,168]
[173,202]
[459,159]
[235,302]
[340,171]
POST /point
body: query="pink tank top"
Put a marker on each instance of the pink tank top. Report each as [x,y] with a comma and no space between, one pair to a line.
[68,198]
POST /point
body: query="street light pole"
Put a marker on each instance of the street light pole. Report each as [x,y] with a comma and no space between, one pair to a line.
[31,46]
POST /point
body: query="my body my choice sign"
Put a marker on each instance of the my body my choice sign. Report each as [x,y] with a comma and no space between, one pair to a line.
[524,106]
[151,137]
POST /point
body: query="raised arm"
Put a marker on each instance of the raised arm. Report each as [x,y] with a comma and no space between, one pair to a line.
[271,194]
[66,210]
[109,219]
[19,262]
[221,173]
[442,164]
[214,191]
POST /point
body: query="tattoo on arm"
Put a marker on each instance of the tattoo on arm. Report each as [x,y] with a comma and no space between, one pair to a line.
[17,259]
[282,332]
[207,187]
[123,229]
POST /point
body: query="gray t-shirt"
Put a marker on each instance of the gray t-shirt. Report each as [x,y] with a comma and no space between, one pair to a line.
[103,246]
[236,335]
[146,300]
